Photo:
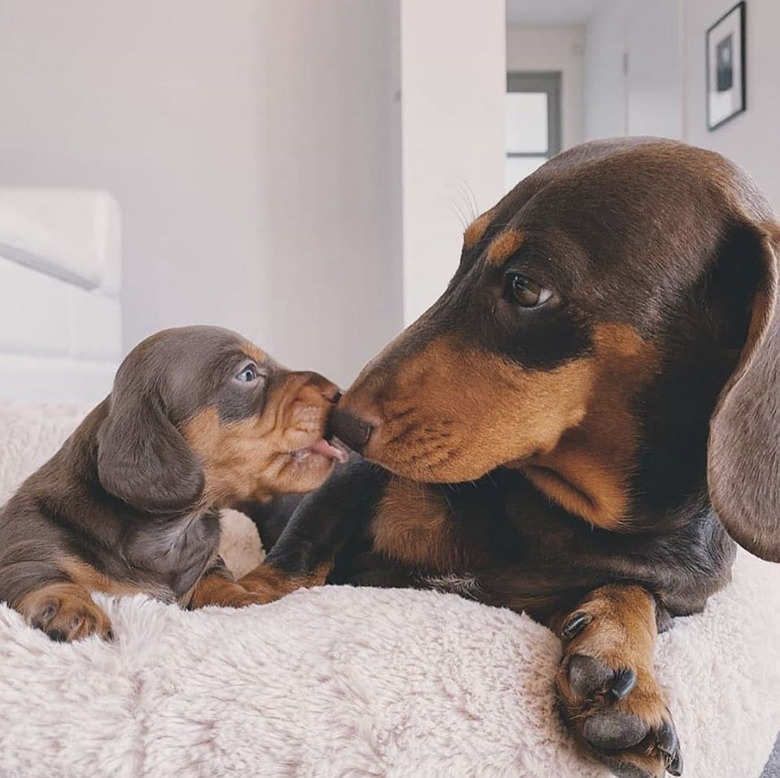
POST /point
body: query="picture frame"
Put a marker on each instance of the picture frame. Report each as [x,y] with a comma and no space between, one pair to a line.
[726,71]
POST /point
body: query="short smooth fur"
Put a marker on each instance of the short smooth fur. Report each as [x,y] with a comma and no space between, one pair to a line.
[198,419]
[575,427]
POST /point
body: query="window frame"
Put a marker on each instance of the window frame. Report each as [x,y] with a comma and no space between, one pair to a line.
[540,81]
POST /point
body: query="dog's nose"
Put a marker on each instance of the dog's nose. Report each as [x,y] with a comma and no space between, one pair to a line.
[350,429]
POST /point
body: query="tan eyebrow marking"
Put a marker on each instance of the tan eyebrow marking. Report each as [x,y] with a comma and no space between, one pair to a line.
[476,230]
[254,352]
[504,246]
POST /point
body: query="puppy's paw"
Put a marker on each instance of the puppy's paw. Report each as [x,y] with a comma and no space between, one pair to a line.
[66,613]
[269,584]
[224,593]
[244,599]
[616,711]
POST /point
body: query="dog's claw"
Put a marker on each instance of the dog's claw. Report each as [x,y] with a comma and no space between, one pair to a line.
[667,739]
[675,767]
[669,745]
[624,740]
[575,624]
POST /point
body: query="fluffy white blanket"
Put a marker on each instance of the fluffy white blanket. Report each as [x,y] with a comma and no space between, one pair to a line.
[352,682]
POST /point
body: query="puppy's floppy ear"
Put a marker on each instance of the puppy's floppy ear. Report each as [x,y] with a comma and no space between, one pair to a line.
[744,444]
[143,459]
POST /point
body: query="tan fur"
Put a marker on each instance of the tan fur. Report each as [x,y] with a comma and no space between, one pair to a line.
[623,630]
[571,429]
[588,470]
[256,353]
[413,525]
[439,428]
[65,610]
[253,459]
[622,633]
[225,449]
[269,584]
[476,230]
[83,574]
[220,590]
[503,246]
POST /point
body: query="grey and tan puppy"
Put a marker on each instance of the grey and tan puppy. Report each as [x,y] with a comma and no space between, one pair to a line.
[198,419]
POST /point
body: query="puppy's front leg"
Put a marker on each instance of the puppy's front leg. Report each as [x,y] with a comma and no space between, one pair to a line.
[606,686]
[64,610]
[318,530]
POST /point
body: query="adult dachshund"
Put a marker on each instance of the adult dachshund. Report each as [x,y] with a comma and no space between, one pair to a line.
[558,432]
[198,419]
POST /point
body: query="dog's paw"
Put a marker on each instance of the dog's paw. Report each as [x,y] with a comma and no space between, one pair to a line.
[66,613]
[616,711]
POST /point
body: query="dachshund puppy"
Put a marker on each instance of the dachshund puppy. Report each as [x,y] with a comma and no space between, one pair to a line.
[198,419]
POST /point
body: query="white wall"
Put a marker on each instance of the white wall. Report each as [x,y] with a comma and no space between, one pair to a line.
[156,102]
[453,81]
[560,48]
[605,102]
[268,177]
[329,171]
[655,83]
[749,139]
[249,145]
[634,70]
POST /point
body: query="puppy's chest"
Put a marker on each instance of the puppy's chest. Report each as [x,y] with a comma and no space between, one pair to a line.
[174,552]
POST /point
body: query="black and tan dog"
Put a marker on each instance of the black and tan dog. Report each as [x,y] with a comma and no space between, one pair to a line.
[198,419]
[557,432]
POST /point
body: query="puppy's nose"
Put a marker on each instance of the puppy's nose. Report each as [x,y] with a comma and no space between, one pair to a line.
[329,390]
[350,429]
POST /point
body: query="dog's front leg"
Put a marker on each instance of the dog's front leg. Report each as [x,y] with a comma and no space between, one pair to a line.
[606,686]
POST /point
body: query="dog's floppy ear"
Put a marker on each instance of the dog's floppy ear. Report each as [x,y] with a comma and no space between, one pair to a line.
[143,459]
[744,443]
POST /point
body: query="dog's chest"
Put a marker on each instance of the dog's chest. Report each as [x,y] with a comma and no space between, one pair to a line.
[174,552]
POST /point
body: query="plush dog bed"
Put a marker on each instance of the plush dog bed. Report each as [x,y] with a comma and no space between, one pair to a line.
[339,681]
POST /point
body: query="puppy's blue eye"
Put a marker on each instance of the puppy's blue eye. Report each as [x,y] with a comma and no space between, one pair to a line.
[248,374]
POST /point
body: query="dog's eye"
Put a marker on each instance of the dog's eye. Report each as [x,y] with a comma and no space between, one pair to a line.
[524,292]
[248,373]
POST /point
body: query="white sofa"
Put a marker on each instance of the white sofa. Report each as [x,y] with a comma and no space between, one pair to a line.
[60,280]
[351,682]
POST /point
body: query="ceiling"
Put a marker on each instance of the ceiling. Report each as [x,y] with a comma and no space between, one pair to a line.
[549,11]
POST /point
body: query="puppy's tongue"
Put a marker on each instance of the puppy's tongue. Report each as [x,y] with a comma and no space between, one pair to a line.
[326,449]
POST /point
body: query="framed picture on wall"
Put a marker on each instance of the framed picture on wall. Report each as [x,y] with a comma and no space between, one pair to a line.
[726,93]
